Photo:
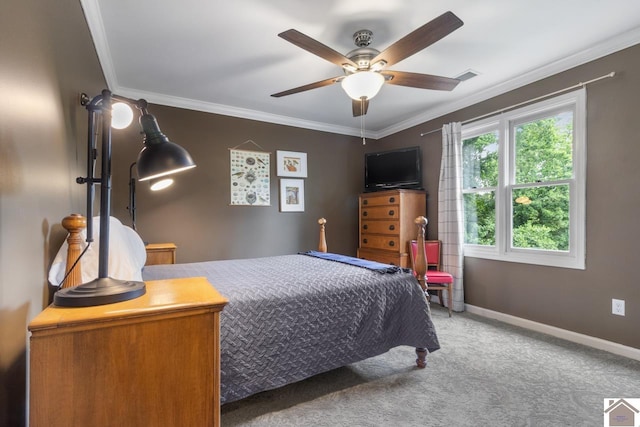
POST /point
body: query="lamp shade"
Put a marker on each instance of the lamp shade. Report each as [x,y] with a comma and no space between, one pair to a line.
[159,156]
[363,84]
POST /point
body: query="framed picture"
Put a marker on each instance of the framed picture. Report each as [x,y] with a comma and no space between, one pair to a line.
[291,163]
[292,195]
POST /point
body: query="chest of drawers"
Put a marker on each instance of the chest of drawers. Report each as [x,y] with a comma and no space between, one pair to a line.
[387,224]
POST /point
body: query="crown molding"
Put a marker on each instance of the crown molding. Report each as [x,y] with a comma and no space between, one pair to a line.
[96,28]
[243,113]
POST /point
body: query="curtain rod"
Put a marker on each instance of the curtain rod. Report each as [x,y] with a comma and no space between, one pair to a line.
[502,110]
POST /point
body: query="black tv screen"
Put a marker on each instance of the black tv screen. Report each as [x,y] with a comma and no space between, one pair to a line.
[401,168]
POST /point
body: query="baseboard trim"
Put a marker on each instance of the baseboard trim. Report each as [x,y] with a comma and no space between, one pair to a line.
[611,347]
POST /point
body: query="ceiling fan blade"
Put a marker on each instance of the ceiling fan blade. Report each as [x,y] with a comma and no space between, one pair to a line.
[419,39]
[307,43]
[310,86]
[359,107]
[421,81]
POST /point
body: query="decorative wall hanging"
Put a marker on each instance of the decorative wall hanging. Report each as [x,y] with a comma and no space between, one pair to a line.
[291,163]
[292,195]
[250,179]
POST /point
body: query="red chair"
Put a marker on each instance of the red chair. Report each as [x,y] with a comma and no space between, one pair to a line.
[436,279]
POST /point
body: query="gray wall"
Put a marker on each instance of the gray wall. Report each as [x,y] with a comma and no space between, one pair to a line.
[577,300]
[195,212]
[47,59]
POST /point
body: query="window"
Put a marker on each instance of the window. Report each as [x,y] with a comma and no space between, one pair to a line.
[523,184]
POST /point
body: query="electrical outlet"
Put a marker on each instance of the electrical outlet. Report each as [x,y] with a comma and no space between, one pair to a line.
[617,307]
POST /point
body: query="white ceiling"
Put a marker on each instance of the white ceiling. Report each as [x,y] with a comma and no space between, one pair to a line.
[225,56]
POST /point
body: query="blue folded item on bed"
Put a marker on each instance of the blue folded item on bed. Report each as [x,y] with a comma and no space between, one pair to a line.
[370,265]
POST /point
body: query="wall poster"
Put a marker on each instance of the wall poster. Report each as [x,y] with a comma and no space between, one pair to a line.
[250,180]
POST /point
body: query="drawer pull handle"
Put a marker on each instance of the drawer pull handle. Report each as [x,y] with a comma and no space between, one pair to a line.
[391,212]
[364,241]
[365,227]
[392,199]
[365,202]
[364,213]
[392,243]
[392,227]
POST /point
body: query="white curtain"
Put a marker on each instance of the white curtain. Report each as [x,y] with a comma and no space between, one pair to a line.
[450,226]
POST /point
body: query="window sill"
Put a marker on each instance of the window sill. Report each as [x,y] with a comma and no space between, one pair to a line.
[562,260]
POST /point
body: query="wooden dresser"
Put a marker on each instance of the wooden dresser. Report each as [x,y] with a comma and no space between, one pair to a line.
[387,224]
[149,361]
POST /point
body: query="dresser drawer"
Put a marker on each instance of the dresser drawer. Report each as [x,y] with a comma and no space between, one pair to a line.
[384,257]
[380,212]
[373,241]
[381,227]
[380,200]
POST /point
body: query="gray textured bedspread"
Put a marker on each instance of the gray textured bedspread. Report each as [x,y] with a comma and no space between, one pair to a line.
[293,316]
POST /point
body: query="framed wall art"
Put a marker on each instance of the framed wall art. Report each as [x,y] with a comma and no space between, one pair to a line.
[291,163]
[250,179]
[292,195]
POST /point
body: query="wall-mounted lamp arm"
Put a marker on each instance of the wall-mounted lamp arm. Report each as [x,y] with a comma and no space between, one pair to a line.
[96,102]
[92,155]
[132,196]
[105,186]
[100,104]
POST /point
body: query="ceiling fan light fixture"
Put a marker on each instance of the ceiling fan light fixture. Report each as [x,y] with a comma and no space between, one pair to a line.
[379,65]
[363,84]
[349,68]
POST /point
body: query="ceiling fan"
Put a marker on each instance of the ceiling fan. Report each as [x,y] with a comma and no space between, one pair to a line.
[365,67]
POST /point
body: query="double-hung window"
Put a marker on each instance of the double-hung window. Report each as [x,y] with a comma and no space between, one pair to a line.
[523,184]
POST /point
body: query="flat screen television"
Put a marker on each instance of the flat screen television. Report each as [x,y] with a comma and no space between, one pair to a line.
[400,168]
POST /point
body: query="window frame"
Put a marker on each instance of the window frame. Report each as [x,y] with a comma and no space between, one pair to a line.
[504,124]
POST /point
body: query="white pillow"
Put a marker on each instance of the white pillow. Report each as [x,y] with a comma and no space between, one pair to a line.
[127,254]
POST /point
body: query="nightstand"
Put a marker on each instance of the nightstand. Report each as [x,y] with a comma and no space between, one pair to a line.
[161,253]
[150,361]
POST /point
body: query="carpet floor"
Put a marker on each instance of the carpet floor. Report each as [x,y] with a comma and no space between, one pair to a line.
[486,373]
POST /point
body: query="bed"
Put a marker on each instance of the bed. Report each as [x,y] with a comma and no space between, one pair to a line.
[289,317]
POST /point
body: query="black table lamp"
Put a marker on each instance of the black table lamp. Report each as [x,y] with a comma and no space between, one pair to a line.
[159,157]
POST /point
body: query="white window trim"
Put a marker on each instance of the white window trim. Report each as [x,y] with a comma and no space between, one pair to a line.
[575,257]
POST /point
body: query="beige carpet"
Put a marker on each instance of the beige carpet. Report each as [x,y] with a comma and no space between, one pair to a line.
[487,373]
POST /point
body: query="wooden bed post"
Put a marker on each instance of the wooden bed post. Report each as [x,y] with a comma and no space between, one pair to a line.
[322,245]
[74,224]
[420,266]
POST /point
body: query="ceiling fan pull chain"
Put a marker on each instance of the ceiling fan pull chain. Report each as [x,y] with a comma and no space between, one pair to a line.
[364,141]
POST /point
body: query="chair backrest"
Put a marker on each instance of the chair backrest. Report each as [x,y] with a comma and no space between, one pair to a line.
[431,249]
